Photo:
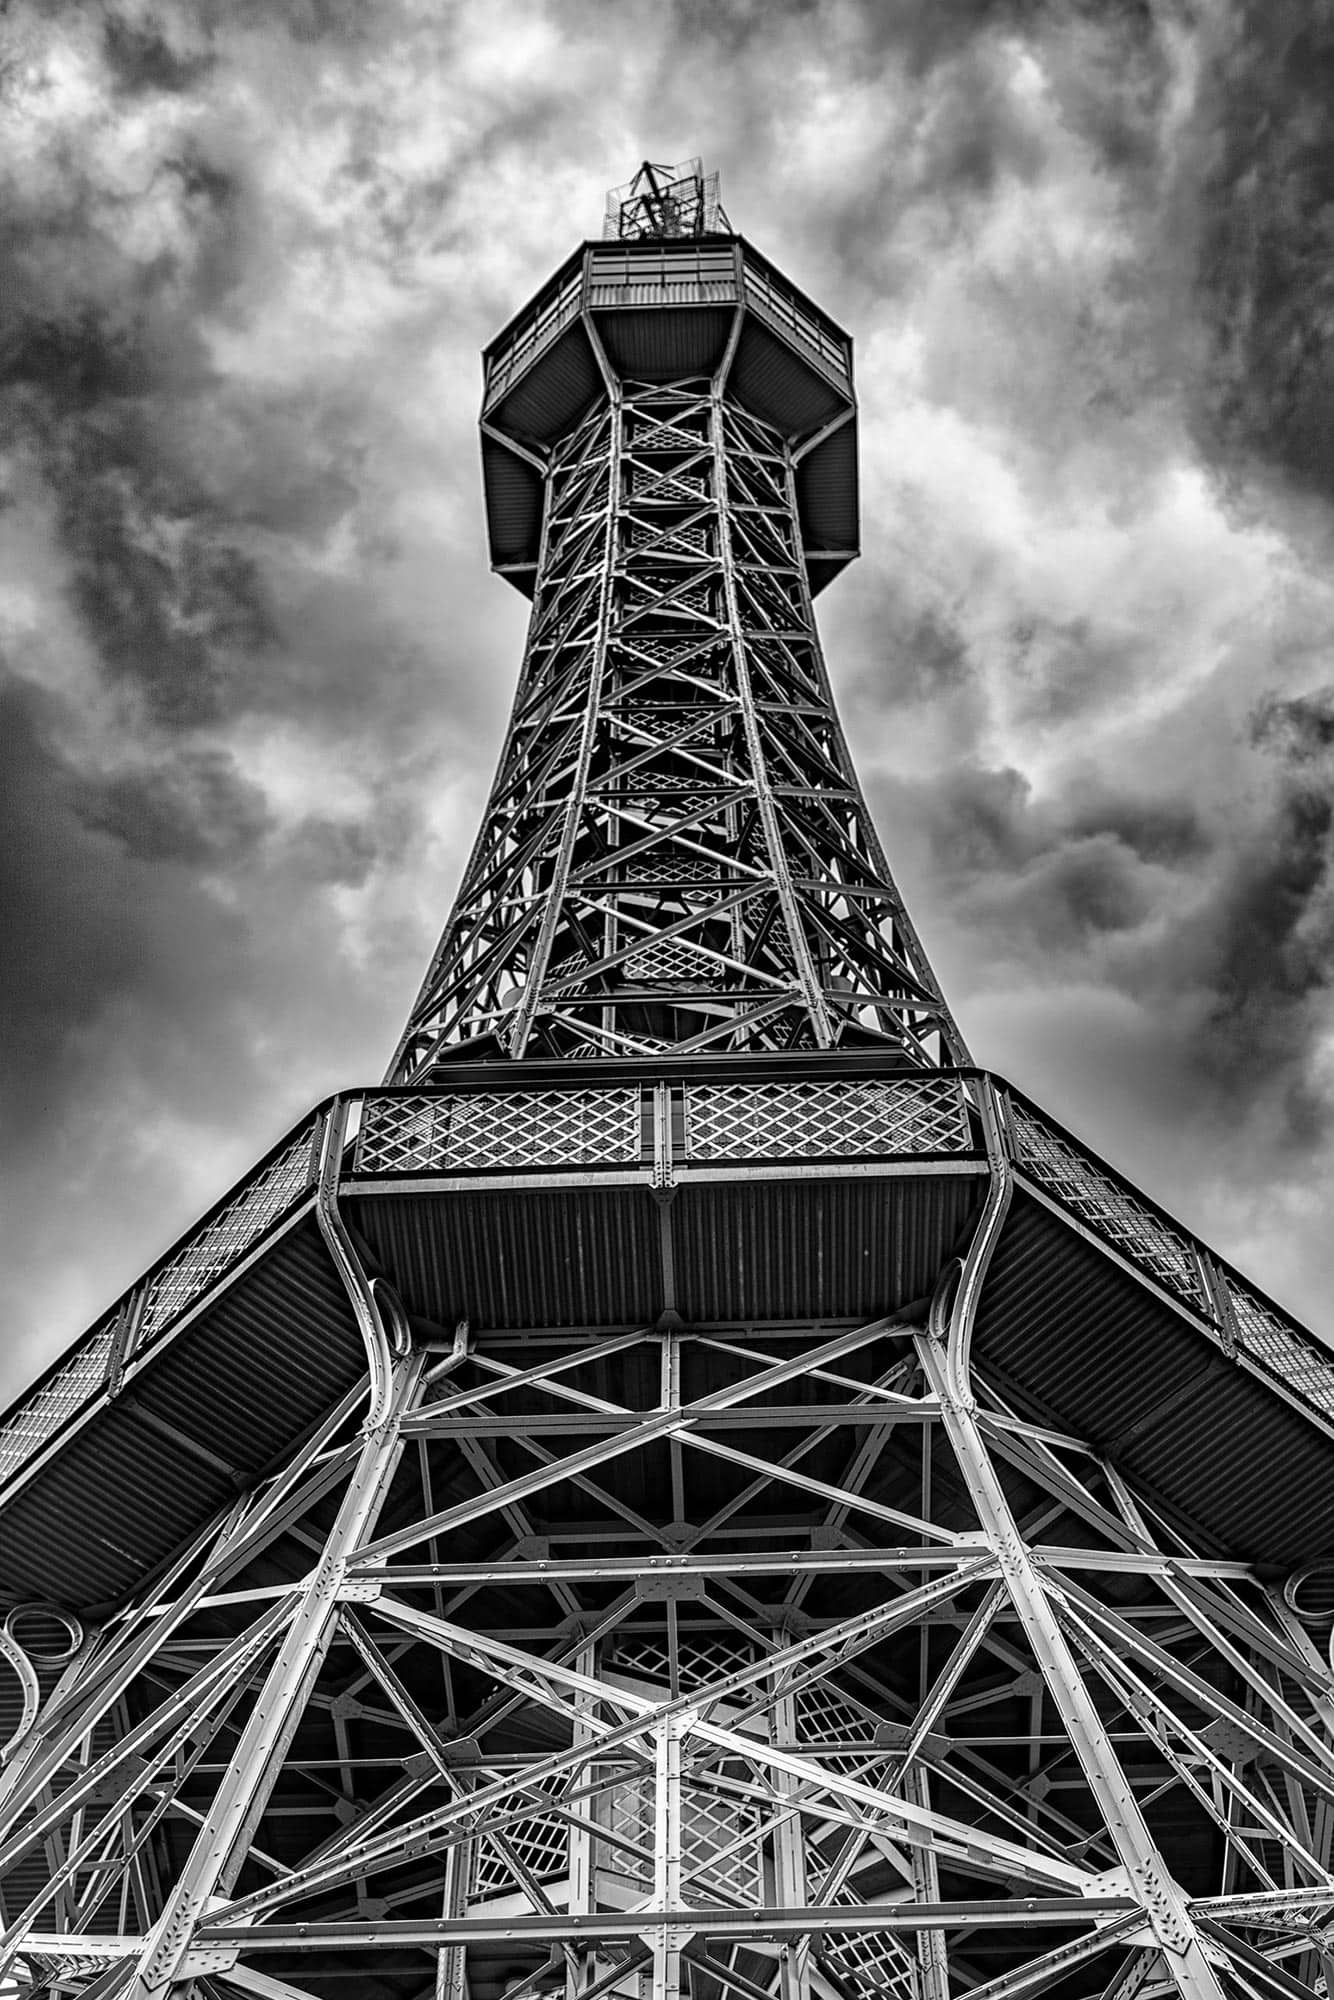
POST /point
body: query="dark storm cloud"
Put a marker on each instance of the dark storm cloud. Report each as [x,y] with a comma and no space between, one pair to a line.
[1266,250]
[1043,880]
[141,58]
[1269,935]
[92,923]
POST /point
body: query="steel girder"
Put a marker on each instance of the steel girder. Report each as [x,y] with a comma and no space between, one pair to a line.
[676,853]
[575,1676]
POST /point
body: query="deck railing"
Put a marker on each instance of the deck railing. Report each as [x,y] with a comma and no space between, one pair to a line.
[657,1132]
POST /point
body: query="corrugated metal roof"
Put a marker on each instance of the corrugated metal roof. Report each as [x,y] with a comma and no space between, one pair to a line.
[662,343]
[264,1365]
[242,1384]
[769,378]
[553,393]
[587,1256]
[772,1249]
[513,504]
[579,1256]
[1093,1350]
[827,499]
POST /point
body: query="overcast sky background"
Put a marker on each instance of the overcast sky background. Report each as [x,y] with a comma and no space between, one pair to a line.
[254,672]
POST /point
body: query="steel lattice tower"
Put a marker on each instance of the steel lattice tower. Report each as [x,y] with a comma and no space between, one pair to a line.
[691,1487]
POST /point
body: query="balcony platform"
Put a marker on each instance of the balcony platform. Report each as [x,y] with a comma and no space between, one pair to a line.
[540,1201]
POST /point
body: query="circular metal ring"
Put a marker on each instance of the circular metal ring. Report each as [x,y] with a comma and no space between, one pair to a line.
[37,1644]
[1309,1592]
[29,1689]
[942,1300]
[393,1317]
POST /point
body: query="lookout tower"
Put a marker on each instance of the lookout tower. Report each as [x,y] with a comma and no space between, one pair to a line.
[691,1487]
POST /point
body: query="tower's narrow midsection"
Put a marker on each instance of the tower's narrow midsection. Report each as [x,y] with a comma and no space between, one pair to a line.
[675,854]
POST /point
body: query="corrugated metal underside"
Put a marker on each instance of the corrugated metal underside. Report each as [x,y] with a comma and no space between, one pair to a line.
[827,504]
[513,504]
[552,395]
[773,381]
[582,1256]
[656,343]
[242,1383]
[1083,1345]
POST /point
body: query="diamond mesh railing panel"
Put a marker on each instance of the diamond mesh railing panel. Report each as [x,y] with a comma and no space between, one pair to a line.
[720,1847]
[672,959]
[58,1399]
[701,1657]
[204,1257]
[712,1826]
[630,1817]
[212,1250]
[868,1962]
[823,1717]
[541,1845]
[1296,1362]
[925,1114]
[1108,1208]
[500,1129]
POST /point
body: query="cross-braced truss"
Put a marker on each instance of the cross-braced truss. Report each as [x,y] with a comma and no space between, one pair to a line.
[676,853]
[786,1658]
[746,1662]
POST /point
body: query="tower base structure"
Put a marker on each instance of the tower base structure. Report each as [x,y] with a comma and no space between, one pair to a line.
[775,1527]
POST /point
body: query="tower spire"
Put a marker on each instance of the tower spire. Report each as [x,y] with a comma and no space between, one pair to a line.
[676,853]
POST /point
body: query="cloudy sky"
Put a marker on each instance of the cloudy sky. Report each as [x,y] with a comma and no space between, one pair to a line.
[253,670]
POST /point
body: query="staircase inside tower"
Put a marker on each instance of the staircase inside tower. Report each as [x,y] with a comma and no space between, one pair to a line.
[691,1487]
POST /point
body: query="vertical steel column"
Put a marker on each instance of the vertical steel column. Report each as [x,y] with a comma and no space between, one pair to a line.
[451,1961]
[946,1361]
[597,668]
[933,1972]
[240,1800]
[790,1890]
[667,1852]
[808,978]
[581,1967]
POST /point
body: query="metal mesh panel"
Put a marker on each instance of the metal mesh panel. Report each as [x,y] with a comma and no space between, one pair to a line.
[823,1717]
[1295,1361]
[824,1120]
[403,1134]
[712,1825]
[220,1243]
[501,1129]
[867,1962]
[630,1817]
[541,1845]
[701,1657]
[204,1258]
[673,959]
[1108,1209]
[67,1391]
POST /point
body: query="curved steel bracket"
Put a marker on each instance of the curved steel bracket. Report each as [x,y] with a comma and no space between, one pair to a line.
[381,1342]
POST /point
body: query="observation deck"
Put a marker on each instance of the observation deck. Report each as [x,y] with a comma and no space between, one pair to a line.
[532,1199]
[661,311]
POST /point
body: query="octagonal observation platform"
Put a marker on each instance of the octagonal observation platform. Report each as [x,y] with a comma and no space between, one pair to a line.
[545,1201]
[660,311]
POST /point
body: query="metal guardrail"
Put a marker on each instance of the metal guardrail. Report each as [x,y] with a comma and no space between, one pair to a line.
[549,315]
[781,305]
[663,1131]
[1128,1223]
[680,274]
[163,1296]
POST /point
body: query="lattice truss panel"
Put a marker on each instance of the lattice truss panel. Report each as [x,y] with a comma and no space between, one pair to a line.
[661,1664]
[676,853]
